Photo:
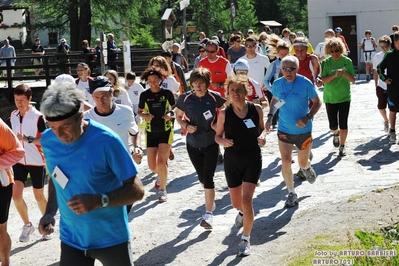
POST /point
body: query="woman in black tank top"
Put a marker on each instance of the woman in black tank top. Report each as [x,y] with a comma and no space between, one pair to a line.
[241,124]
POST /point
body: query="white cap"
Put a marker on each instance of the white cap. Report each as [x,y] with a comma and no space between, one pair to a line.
[65,78]
[176,44]
[241,64]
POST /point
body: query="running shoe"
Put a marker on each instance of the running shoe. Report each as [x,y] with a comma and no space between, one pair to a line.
[156,185]
[292,200]
[392,136]
[27,230]
[244,248]
[171,155]
[342,151]
[207,221]
[239,220]
[162,196]
[367,77]
[310,174]
[301,174]
[47,237]
[336,140]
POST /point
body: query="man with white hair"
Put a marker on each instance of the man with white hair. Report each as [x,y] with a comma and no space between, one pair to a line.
[112,50]
[93,177]
[291,95]
[63,59]
[7,51]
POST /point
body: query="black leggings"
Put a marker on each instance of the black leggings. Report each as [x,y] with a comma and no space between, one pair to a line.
[204,161]
[338,113]
[269,96]
[115,255]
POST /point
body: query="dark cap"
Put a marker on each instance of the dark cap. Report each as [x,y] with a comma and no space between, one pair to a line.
[100,83]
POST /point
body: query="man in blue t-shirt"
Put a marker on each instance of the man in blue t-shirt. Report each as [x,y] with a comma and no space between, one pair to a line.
[291,95]
[92,178]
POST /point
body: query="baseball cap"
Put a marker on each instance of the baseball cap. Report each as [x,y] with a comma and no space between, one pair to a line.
[241,64]
[338,29]
[220,31]
[100,83]
[215,38]
[64,78]
[250,31]
[63,40]
[176,44]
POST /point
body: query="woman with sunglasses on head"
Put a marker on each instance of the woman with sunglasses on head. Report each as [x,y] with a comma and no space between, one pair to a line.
[337,75]
[235,51]
[240,129]
[202,53]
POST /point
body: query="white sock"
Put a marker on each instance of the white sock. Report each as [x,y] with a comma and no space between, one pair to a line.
[246,238]
[291,191]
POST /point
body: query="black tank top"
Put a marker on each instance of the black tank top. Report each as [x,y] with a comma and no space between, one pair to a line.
[242,131]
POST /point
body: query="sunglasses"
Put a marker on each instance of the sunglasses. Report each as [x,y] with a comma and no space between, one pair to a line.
[335,51]
[383,46]
[238,40]
[201,51]
[288,69]
[250,46]
[211,52]
[241,72]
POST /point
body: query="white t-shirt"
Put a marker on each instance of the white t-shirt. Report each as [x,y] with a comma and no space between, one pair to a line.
[120,120]
[376,60]
[257,67]
[84,87]
[319,50]
[134,92]
[170,83]
[123,98]
[368,45]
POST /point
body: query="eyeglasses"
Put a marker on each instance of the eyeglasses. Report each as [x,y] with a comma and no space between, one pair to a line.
[335,51]
[288,69]
[292,37]
[250,46]
[201,51]
[238,40]
[211,52]
[241,72]
[383,46]
[236,90]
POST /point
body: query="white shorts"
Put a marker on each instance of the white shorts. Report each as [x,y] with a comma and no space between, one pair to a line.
[368,56]
[5,64]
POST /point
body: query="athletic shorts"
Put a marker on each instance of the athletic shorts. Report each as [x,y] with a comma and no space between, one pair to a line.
[37,174]
[153,139]
[242,167]
[368,56]
[5,200]
[5,70]
[301,141]
[120,255]
[382,97]
[393,104]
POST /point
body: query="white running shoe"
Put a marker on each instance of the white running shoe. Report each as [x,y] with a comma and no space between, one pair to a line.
[207,221]
[27,230]
[239,220]
[245,248]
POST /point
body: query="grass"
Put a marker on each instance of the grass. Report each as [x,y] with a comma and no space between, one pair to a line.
[365,244]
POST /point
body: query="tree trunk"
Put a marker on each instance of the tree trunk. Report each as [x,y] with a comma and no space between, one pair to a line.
[74,25]
[84,23]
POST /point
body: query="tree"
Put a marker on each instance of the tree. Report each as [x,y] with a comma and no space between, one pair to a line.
[246,16]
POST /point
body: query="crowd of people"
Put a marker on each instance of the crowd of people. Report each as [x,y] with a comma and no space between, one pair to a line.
[88,132]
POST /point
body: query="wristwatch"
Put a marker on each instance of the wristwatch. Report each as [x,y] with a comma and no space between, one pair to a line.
[309,115]
[30,139]
[104,200]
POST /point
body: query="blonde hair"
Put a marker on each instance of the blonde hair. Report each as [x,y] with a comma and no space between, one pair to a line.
[117,86]
[334,42]
[234,79]
[162,64]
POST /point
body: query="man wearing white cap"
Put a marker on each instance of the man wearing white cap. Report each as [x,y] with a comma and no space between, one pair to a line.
[112,50]
[257,63]
[178,58]
[62,51]
[256,95]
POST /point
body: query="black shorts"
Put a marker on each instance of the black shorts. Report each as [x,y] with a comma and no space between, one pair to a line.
[37,174]
[301,141]
[382,97]
[242,167]
[153,139]
[5,200]
[120,255]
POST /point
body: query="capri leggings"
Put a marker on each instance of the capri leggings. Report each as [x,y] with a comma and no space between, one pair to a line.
[204,161]
[338,115]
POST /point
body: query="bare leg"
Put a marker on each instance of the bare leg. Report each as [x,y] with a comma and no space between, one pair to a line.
[286,160]
[5,245]
[17,196]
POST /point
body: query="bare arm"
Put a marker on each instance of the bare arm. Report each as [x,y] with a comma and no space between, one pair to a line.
[219,139]
[47,222]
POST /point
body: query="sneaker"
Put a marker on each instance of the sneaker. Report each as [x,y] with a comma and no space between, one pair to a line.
[336,140]
[171,155]
[342,151]
[292,200]
[239,220]
[392,136]
[27,230]
[301,174]
[156,185]
[220,158]
[162,196]
[386,127]
[310,174]
[367,77]
[47,237]
[207,221]
[244,249]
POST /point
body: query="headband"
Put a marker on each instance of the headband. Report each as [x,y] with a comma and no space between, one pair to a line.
[301,44]
[74,111]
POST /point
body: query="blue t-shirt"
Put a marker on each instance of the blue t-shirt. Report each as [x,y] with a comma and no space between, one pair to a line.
[296,96]
[97,162]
